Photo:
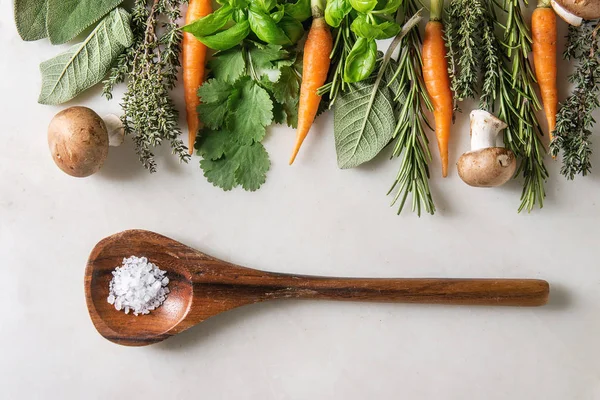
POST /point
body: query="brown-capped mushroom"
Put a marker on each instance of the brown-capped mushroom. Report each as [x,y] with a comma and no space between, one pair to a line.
[486,165]
[78,139]
[575,11]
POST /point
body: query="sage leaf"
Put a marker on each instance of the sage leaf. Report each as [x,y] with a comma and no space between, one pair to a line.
[362,124]
[30,18]
[68,18]
[86,63]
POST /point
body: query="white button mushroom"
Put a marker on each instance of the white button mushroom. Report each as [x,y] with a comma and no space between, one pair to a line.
[486,165]
[575,11]
[78,139]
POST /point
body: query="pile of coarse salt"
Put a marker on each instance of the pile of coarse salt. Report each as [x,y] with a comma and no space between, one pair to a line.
[138,285]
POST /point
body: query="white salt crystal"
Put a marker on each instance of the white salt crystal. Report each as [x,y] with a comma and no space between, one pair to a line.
[138,286]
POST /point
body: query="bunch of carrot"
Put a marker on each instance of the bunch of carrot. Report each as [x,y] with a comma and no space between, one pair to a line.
[317,49]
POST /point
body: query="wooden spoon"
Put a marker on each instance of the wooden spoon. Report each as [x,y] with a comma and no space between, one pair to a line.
[202,286]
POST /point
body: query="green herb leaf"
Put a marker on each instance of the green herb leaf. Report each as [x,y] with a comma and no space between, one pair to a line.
[362,124]
[299,10]
[215,96]
[390,7]
[253,163]
[85,64]
[211,23]
[277,15]
[378,30]
[220,172]
[212,145]
[68,18]
[228,65]
[336,11]
[361,61]
[265,5]
[363,6]
[228,164]
[254,112]
[30,18]
[293,29]
[228,38]
[266,28]
[264,59]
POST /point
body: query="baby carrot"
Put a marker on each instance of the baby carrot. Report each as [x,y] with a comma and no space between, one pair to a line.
[543,29]
[315,66]
[437,82]
[193,60]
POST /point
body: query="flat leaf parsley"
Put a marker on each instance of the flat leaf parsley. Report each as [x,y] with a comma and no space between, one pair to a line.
[252,86]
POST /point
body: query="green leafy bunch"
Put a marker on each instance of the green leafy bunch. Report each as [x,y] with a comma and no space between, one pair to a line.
[271,21]
[86,63]
[574,121]
[150,69]
[252,86]
[368,20]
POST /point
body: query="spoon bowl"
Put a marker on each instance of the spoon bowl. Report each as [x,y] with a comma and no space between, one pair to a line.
[202,286]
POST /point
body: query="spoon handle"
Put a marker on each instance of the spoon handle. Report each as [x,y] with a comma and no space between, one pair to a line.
[490,292]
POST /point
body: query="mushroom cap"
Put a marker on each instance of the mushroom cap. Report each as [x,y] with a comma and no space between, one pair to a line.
[586,9]
[78,141]
[489,167]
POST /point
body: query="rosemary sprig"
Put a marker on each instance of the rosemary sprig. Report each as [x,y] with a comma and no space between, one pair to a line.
[574,121]
[150,68]
[521,103]
[411,143]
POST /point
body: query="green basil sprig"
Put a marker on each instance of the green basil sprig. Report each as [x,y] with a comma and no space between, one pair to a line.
[361,61]
[369,20]
[272,21]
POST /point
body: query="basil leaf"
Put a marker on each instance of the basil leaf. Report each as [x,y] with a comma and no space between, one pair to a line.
[363,6]
[211,23]
[365,29]
[86,63]
[66,19]
[265,5]
[335,11]
[391,6]
[30,18]
[361,60]
[293,28]
[363,123]
[277,15]
[228,38]
[265,28]
[299,10]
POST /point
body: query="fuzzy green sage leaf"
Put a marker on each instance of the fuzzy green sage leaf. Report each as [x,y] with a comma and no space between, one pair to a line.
[30,18]
[68,18]
[86,63]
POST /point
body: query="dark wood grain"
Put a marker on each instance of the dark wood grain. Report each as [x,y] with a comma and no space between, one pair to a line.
[202,286]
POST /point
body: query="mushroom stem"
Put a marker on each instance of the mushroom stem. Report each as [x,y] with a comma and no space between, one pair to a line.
[115,130]
[484,129]
[567,16]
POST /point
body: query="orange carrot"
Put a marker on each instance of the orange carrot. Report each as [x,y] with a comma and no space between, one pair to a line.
[315,66]
[543,28]
[437,81]
[193,59]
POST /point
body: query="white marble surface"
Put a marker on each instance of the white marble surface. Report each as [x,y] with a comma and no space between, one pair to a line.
[313,219]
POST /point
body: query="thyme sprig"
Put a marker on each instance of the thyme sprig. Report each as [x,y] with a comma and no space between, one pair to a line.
[574,121]
[150,68]
[465,48]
